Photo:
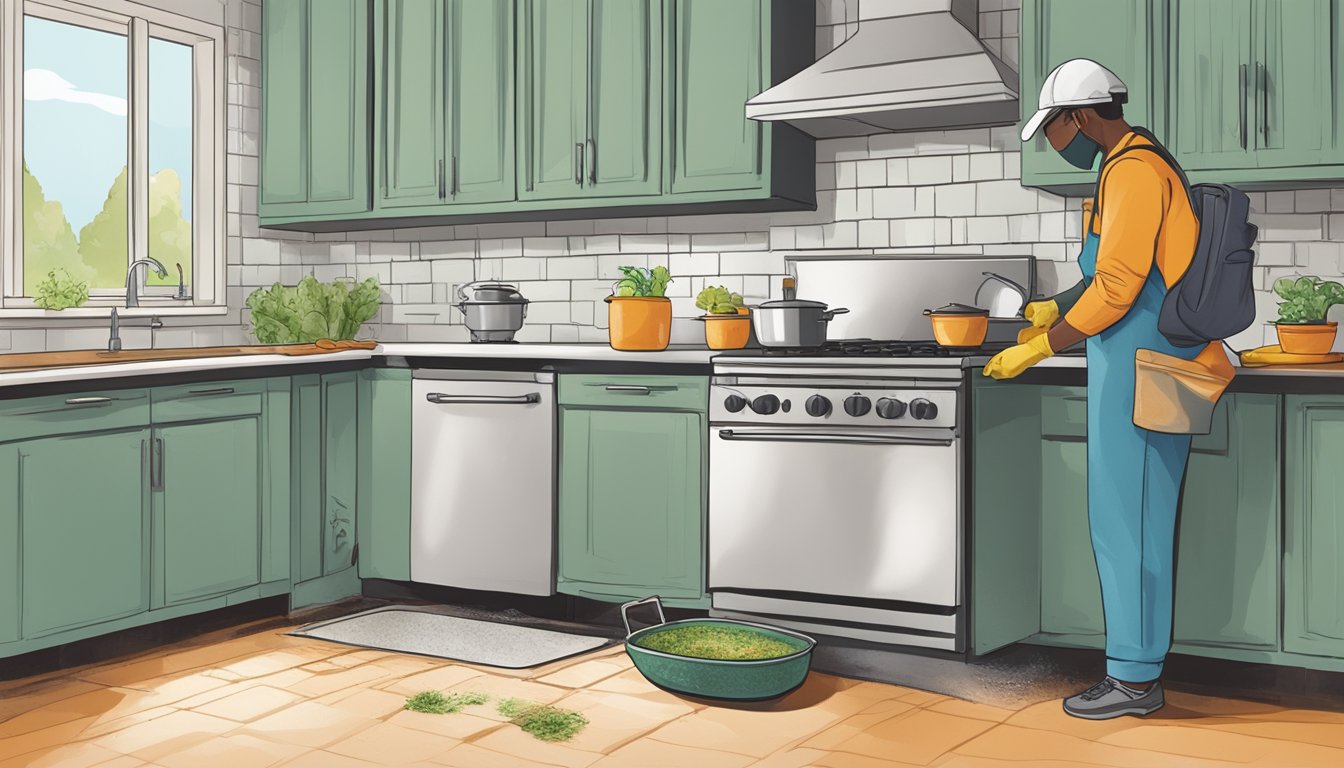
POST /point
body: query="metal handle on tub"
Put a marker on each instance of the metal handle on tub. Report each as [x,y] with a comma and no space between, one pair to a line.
[625,607]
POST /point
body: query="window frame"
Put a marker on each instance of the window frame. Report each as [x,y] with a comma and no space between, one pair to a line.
[208,289]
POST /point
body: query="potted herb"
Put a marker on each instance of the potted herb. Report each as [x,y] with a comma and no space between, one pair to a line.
[639,314]
[61,291]
[1302,327]
[727,325]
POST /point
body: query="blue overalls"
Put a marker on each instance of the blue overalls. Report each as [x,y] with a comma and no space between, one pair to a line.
[1133,486]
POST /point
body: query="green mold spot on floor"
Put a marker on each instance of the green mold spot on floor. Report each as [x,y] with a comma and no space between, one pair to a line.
[436,703]
[543,722]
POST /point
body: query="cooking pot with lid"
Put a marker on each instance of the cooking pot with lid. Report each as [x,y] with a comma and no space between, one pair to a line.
[959,325]
[491,311]
[792,322]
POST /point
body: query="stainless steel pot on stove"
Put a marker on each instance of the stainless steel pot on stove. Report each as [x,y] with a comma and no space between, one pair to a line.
[792,322]
[491,311]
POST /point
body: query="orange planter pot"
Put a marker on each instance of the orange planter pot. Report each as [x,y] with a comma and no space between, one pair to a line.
[727,331]
[1307,338]
[639,323]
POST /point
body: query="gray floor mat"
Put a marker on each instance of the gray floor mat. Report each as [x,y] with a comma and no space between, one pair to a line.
[408,629]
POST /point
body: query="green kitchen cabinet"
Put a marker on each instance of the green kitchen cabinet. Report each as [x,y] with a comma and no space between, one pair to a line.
[325,486]
[1211,86]
[10,564]
[340,445]
[590,98]
[207,477]
[632,488]
[315,108]
[1313,567]
[84,556]
[447,134]
[1127,37]
[384,479]
[1298,83]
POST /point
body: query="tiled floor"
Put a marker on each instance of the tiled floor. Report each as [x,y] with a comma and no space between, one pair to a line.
[266,699]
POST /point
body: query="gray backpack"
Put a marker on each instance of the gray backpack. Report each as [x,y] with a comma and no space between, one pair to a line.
[1215,299]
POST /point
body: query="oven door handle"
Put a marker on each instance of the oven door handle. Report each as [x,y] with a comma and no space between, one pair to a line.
[439,398]
[831,437]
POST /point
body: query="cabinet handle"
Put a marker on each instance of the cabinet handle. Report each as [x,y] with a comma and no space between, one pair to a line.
[578,164]
[438,180]
[592,162]
[439,398]
[1262,75]
[87,400]
[208,392]
[156,464]
[1241,108]
[633,389]
[454,185]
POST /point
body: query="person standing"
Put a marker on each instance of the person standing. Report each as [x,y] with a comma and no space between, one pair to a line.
[1140,236]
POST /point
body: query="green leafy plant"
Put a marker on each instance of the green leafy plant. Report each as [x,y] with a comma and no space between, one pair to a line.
[716,300]
[544,722]
[1307,299]
[312,310]
[639,281]
[61,291]
[436,703]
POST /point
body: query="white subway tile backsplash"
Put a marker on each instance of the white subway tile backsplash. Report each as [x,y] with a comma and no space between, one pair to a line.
[874,233]
[930,170]
[752,263]
[693,264]
[955,200]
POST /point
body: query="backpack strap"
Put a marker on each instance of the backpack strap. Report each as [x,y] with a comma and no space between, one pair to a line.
[1156,148]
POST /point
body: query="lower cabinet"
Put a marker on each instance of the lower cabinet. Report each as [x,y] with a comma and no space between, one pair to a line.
[1070,588]
[632,488]
[1313,568]
[384,482]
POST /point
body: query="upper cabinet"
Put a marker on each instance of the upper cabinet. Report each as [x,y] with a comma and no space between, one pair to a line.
[512,109]
[1247,92]
[315,108]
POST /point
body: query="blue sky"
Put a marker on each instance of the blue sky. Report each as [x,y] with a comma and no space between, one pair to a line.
[74,134]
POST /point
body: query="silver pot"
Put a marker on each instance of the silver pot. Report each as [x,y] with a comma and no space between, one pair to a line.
[492,311]
[792,323]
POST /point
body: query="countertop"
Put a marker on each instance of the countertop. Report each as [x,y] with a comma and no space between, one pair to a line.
[159,367]
[1074,361]
[689,355]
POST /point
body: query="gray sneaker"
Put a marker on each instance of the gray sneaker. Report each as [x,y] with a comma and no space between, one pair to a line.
[1111,698]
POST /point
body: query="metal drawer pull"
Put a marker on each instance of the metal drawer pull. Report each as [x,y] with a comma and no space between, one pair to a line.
[1241,106]
[87,400]
[1263,73]
[592,162]
[633,389]
[204,392]
[827,437]
[156,464]
[439,398]
[578,164]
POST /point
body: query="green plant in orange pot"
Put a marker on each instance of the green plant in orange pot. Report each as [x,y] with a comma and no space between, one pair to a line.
[639,314]
[1302,326]
[727,324]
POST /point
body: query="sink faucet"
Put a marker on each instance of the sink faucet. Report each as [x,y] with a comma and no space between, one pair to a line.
[132,299]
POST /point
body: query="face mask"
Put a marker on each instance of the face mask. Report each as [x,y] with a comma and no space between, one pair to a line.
[1081,152]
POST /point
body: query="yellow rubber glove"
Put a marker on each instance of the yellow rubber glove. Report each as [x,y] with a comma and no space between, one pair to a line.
[1042,314]
[1029,333]
[1012,361]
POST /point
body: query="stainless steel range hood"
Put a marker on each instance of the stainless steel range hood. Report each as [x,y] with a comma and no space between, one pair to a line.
[912,65]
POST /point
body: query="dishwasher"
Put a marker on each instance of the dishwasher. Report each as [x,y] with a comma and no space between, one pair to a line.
[483,480]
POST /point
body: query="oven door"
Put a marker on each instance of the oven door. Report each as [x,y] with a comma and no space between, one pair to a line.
[869,514]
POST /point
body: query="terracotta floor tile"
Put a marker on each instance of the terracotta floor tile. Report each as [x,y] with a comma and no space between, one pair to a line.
[79,755]
[583,674]
[647,753]
[458,725]
[1008,742]
[171,689]
[91,704]
[45,738]
[238,751]
[1321,734]
[365,702]
[330,682]
[355,658]
[970,709]
[923,698]
[126,761]
[791,758]
[102,726]
[26,696]
[472,756]
[499,688]
[854,725]
[250,704]
[746,732]
[307,724]
[632,683]
[439,679]
[614,718]
[405,666]
[388,744]
[1050,716]
[165,735]
[320,759]
[511,740]
[1215,707]
[968,761]
[918,737]
[266,664]
[850,760]
[1195,742]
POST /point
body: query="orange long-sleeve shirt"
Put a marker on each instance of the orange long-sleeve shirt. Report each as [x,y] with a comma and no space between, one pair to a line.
[1145,219]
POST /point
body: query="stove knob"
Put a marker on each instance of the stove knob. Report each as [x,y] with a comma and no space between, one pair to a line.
[735,403]
[765,404]
[890,408]
[786,405]
[818,406]
[857,405]
[923,409]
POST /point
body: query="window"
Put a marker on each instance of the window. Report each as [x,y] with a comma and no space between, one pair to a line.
[113,151]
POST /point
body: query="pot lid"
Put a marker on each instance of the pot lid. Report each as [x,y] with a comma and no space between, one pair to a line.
[957,309]
[792,304]
[494,293]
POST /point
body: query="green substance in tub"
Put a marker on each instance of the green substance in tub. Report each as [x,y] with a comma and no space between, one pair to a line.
[544,722]
[436,703]
[700,641]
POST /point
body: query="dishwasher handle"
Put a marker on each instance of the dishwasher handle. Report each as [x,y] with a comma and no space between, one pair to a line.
[831,437]
[439,398]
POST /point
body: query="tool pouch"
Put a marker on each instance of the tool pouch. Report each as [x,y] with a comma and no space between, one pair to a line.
[1178,396]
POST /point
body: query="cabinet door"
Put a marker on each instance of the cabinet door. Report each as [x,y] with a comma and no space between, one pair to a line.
[85,544]
[305,477]
[384,524]
[554,98]
[211,507]
[340,464]
[481,127]
[284,117]
[1296,86]
[10,564]
[338,106]
[630,503]
[413,104]
[1227,569]
[1313,567]
[1070,588]
[1213,81]
[1128,37]
[715,146]
[625,121]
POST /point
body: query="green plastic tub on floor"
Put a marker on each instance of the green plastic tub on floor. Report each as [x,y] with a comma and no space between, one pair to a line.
[738,680]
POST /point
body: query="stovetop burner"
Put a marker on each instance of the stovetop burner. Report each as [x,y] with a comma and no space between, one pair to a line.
[879,348]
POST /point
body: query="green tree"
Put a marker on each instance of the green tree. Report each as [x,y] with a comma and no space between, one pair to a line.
[48,241]
[103,241]
[169,232]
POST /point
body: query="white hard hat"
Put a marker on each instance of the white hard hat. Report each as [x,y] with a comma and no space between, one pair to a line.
[1075,83]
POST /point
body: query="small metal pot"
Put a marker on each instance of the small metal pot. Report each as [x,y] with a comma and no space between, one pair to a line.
[792,323]
[493,311]
[958,325]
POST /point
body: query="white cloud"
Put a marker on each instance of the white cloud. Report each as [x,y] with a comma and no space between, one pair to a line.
[45,85]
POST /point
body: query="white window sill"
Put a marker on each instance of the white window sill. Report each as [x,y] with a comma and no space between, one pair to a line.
[13,313]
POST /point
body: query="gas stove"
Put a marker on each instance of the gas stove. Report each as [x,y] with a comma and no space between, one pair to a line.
[881,348]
